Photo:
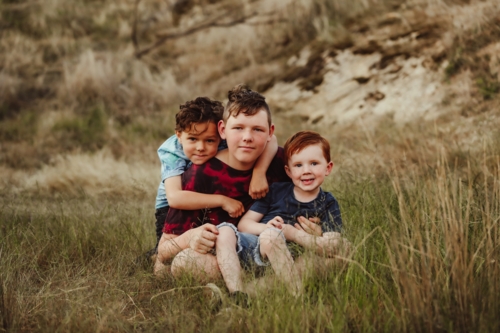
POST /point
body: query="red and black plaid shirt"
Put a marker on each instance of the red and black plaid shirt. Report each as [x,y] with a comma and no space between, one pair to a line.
[216,177]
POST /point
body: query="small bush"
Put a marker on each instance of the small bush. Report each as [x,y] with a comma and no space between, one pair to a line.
[22,127]
[87,132]
[488,87]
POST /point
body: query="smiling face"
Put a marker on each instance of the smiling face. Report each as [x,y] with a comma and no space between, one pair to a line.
[200,142]
[308,169]
[246,137]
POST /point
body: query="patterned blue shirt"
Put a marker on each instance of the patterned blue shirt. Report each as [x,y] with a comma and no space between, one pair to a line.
[280,201]
[173,163]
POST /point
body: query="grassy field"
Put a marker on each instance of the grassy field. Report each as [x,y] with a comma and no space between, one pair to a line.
[426,259]
[81,116]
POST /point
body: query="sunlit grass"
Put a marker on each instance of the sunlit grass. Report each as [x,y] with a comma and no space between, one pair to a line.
[420,201]
[426,259]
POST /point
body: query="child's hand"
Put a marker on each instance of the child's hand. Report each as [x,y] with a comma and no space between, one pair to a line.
[277,223]
[258,187]
[202,239]
[310,226]
[315,220]
[233,207]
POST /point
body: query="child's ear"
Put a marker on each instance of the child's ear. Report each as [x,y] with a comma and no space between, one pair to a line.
[271,132]
[329,168]
[178,134]
[287,170]
[221,126]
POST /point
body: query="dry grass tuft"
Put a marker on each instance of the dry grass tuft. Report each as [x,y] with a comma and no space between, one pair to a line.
[120,81]
[94,174]
[426,258]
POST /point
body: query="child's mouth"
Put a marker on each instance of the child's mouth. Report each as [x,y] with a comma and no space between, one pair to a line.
[307,181]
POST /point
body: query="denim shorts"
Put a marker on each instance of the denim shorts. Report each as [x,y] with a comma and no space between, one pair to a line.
[247,247]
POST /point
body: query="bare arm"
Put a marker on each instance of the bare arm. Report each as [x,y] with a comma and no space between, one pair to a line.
[189,200]
[201,239]
[258,185]
[250,223]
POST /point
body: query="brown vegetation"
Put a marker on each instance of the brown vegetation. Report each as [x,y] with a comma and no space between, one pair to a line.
[81,117]
[70,83]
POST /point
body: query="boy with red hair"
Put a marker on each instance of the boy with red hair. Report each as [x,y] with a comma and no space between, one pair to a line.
[299,212]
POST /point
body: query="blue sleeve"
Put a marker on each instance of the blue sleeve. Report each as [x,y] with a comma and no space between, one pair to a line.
[222,145]
[173,160]
[333,218]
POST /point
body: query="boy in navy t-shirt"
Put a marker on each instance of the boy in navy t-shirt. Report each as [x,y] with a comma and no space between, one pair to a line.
[299,212]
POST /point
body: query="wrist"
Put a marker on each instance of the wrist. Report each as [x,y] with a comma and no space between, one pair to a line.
[183,240]
[291,233]
[259,170]
[221,200]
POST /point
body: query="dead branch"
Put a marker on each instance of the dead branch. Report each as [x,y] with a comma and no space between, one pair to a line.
[210,24]
[271,21]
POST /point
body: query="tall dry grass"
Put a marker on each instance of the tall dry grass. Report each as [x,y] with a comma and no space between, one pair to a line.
[426,259]
[96,175]
[446,264]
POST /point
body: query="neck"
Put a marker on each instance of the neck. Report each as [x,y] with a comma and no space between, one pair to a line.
[229,159]
[305,196]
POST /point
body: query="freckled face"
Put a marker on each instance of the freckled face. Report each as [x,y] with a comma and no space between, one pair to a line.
[246,137]
[200,142]
[308,169]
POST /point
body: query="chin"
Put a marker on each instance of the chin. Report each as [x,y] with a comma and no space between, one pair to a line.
[247,158]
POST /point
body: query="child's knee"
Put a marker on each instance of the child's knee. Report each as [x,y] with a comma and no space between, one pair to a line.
[200,265]
[269,239]
[163,239]
[227,231]
[187,260]
[181,261]
[226,235]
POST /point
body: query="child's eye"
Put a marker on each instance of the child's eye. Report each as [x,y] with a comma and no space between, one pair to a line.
[192,139]
[258,130]
[298,165]
[314,163]
[210,140]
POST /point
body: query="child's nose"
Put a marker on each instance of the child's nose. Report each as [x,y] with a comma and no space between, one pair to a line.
[200,146]
[247,135]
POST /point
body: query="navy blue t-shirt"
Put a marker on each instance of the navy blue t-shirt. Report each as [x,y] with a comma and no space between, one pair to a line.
[280,201]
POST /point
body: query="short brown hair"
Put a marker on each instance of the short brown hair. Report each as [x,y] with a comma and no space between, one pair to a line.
[303,139]
[199,110]
[246,101]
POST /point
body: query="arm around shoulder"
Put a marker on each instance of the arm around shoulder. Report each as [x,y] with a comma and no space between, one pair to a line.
[190,200]
[258,185]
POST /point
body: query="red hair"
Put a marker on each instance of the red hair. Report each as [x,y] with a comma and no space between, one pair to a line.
[303,139]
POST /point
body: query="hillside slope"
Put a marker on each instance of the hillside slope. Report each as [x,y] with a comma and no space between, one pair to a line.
[97,83]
